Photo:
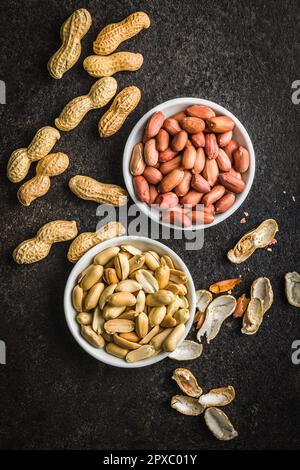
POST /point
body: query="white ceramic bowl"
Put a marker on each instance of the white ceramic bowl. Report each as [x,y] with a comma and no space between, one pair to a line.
[171,107]
[144,244]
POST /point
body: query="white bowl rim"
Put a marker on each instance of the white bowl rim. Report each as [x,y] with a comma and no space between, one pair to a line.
[185,101]
[70,312]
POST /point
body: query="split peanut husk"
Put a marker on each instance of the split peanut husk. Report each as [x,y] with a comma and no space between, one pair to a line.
[253,317]
[188,406]
[219,424]
[261,300]
[217,311]
[259,237]
[187,382]
[261,289]
[292,288]
[218,397]
[187,351]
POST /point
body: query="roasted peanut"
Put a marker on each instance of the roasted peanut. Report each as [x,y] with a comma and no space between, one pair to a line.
[166,200]
[71,33]
[224,138]
[153,193]
[182,315]
[137,162]
[118,326]
[200,111]
[142,325]
[162,275]
[123,104]
[214,195]
[152,260]
[125,343]
[183,187]
[211,146]
[98,321]
[241,159]
[192,125]
[230,148]
[198,139]
[220,124]
[179,141]
[156,315]
[121,299]
[92,298]
[232,182]
[178,116]
[52,165]
[114,34]
[141,189]
[98,66]
[176,216]
[84,318]
[166,155]
[146,339]
[37,248]
[202,217]
[150,153]
[189,158]
[90,189]
[172,340]
[192,198]
[172,126]
[144,352]
[200,184]
[211,171]
[199,161]
[153,125]
[223,161]
[116,350]
[170,165]
[159,338]
[111,312]
[110,276]
[92,275]
[171,180]
[89,334]
[225,202]
[162,297]
[122,267]
[152,175]
[162,140]
[99,95]
[77,298]
[21,159]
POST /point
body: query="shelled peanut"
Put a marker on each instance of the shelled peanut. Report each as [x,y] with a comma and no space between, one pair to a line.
[188,159]
[133,303]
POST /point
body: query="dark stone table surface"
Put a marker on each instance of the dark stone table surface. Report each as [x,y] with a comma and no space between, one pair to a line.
[242,55]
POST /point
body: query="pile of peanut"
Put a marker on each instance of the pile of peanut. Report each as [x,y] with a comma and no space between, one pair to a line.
[188,159]
[133,303]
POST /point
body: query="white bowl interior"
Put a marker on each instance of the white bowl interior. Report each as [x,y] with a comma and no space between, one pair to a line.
[171,107]
[145,244]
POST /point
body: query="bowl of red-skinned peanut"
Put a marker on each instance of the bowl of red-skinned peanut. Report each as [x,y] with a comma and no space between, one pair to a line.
[188,163]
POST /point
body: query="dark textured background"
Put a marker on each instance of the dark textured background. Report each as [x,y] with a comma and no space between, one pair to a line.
[243,55]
